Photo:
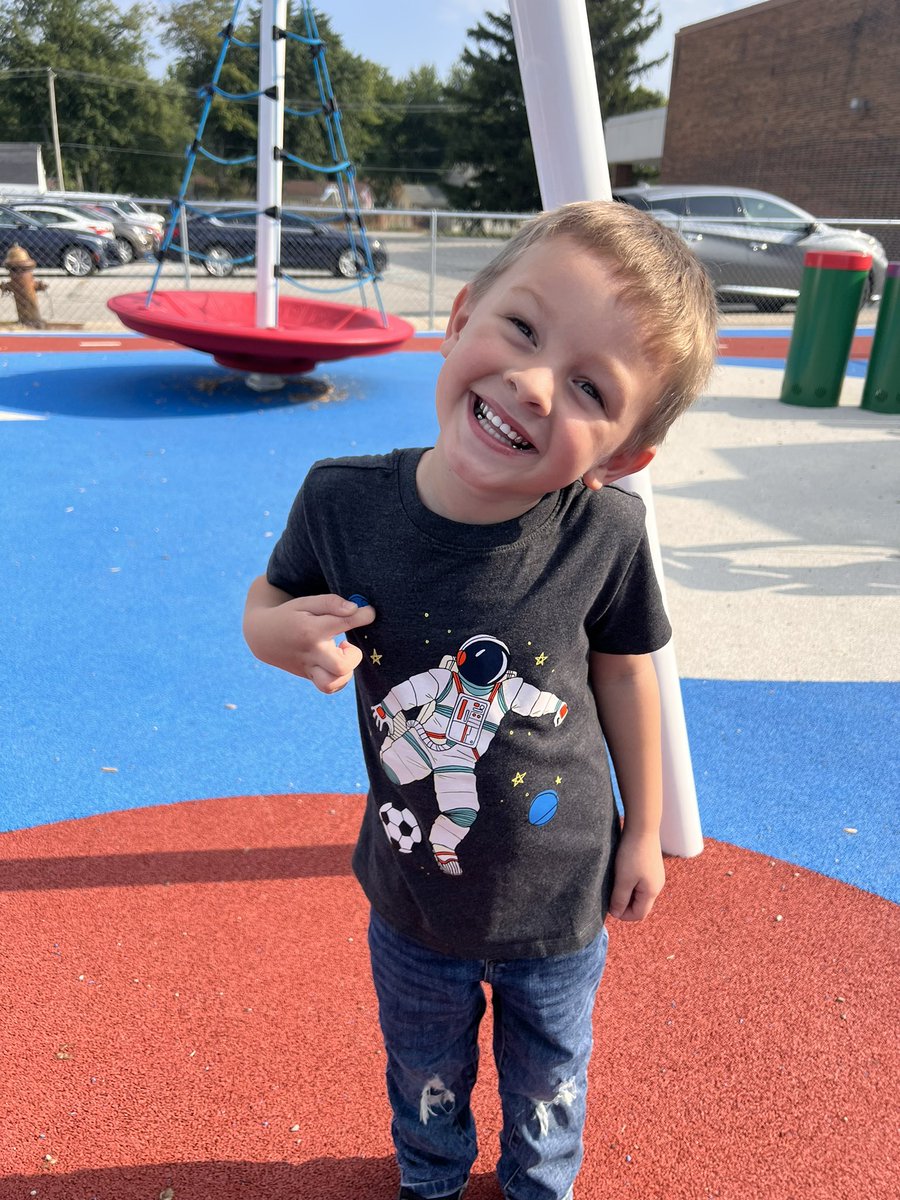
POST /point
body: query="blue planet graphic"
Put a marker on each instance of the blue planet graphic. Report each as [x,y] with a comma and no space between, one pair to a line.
[543,808]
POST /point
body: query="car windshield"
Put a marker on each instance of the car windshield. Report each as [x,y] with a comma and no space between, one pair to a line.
[672,204]
[631,198]
[10,217]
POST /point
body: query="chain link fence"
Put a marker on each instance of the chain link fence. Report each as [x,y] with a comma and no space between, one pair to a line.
[424,259]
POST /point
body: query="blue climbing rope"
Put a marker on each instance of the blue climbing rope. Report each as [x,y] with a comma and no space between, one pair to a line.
[339,168]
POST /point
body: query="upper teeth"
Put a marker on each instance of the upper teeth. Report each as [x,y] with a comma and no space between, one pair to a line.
[489,418]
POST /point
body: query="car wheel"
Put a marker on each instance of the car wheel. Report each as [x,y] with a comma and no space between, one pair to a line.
[769,304]
[77,261]
[350,264]
[218,262]
[125,249]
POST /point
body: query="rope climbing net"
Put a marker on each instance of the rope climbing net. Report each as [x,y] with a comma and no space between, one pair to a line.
[225,239]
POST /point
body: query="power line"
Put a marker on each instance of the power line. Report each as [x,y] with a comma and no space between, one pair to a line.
[182,90]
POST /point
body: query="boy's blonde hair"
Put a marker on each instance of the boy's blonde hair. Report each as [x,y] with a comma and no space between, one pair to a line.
[662,282]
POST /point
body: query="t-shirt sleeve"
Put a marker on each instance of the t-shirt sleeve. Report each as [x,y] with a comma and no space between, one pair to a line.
[633,620]
[294,565]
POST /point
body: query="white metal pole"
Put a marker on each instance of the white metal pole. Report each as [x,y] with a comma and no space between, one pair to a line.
[270,136]
[554,50]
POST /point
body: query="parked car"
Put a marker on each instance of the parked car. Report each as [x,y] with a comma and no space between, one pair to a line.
[75,252]
[127,204]
[134,238]
[752,243]
[61,216]
[225,240]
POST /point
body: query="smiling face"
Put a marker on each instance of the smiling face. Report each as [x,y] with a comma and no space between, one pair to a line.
[544,381]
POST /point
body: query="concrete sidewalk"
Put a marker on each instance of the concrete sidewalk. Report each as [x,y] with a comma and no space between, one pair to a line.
[780,529]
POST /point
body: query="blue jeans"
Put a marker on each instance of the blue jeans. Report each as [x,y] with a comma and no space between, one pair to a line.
[430,1006]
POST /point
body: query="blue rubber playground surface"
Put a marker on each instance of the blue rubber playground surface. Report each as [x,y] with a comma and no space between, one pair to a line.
[142,493]
[183,952]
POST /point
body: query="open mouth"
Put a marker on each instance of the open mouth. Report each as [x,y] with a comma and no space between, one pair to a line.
[498,429]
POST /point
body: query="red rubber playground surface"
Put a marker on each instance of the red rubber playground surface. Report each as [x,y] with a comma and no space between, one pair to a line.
[185,1006]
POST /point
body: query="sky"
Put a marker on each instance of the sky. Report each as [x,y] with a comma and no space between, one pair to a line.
[404,34]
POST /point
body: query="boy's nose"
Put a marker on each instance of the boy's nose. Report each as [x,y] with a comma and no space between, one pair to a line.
[533,386]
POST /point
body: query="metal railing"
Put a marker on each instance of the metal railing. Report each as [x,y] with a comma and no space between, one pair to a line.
[430,256]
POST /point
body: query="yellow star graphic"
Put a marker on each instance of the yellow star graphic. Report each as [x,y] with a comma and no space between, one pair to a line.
[540,659]
[518,778]
[558,780]
[376,658]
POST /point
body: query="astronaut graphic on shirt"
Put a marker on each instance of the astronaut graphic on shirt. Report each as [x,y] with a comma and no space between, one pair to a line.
[460,706]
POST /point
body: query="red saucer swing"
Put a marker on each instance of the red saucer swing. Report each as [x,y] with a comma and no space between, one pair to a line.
[222,324]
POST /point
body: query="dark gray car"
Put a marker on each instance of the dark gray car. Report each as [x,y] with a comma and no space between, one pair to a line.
[752,243]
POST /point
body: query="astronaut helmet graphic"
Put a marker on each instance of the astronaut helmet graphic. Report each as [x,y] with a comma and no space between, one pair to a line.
[482,660]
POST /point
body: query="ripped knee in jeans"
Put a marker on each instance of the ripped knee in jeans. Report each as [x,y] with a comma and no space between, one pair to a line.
[435,1095]
[565,1098]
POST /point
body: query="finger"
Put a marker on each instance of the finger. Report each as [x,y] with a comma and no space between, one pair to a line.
[327,681]
[351,656]
[640,906]
[334,614]
[619,901]
[334,660]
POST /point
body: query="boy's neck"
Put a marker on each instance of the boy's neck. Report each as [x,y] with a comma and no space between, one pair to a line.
[442,493]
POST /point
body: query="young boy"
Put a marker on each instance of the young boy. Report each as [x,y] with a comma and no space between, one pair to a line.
[500,607]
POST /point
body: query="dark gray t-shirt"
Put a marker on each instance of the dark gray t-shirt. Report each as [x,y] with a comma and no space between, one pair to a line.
[490,824]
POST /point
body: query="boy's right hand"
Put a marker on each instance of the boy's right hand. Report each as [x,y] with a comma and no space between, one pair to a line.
[297,636]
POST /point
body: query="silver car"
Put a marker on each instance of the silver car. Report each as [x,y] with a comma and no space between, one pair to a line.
[752,243]
[135,238]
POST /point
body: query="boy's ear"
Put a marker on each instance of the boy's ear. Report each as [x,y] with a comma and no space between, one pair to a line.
[459,315]
[627,462]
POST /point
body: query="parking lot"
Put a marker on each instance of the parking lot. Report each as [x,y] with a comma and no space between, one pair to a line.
[421,279]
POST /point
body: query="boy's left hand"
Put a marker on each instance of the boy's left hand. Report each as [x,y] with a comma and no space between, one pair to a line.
[639,876]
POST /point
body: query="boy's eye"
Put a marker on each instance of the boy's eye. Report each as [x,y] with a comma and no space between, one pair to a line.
[589,390]
[522,326]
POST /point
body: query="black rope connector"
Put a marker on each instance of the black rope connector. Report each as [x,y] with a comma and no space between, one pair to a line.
[208,89]
[271,92]
[194,146]
[278,35]
[276,153]
[273,211]
[276,270]
[228,30]
[329,108]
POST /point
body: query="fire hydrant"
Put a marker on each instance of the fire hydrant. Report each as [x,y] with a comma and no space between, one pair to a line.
[23,286]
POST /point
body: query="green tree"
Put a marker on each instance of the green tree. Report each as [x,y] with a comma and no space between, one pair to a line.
[490,142]
[412,146]
[490,139]
[119,129]
[363,91]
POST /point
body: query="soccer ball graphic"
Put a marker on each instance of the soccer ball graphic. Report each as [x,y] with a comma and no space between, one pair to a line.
[401,827]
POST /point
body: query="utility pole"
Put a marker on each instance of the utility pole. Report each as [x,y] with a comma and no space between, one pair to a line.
[60,180]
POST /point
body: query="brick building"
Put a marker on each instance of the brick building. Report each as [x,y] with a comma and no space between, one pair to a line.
[797,97]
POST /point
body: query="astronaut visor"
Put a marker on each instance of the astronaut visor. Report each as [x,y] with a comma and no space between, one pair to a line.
[482,661]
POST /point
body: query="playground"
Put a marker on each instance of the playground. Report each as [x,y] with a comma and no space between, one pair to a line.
[185,973]
[187,1007]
